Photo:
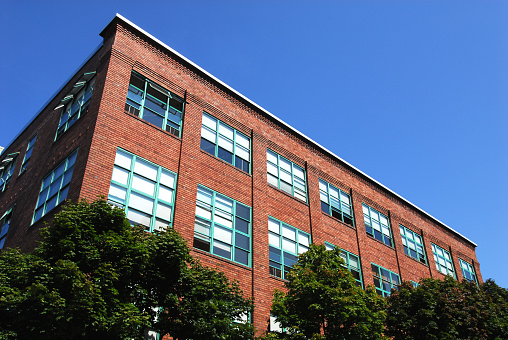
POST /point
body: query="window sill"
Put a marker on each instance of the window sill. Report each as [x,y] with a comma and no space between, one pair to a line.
[154,126]
[224,162]
[288,195]
[199,251]
[337,220]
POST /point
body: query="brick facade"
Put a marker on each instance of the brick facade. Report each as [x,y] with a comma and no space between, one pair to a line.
[106,127]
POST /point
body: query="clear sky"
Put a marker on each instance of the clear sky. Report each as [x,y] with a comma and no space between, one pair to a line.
[413,93]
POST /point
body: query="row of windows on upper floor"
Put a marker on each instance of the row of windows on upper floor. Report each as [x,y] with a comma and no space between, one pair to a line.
[223,226]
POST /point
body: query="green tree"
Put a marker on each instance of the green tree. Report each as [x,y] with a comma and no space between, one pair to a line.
[322,300]
[94,276]
[447,309]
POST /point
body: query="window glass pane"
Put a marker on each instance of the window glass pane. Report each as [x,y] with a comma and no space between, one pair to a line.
[63,194]
[242,241]
[285,164]
[136,217]
[365,210]
[224,203]
[273,226]
[242,153]
[141,202]
[226,131]
[273,240]
[286,177]
[243,211]
[67,177]
[163,211]
[204,195]
[222,234]
[298,172]
[289,245]
[223,218]
[165,194]
[142,184]
[226,144]
[209,135]
[271,156]
[60,170]
[242,225]
[286,187]
[272,169]
[210,122]
[203,212]
[242,256]
[145,169]
[123,159]
[51,203]
[273,180]
[303,239]
[202,226]
[288,232]
[54,187]
[243,140]
[222,249]
[167,178]
[117,193]
[120,175]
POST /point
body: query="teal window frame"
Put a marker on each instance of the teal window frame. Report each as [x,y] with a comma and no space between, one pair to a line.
[350,259]
[145,190]
[5,222]
[285,242]
[28,154]
[415,284]
[155,104]
[413,244]
[443,260]
[76,103]
[286,175]
[384,280]
[55,187]
[223,226]
[7,166]
[225,142]
[377,225]
[336,202]
[468,271]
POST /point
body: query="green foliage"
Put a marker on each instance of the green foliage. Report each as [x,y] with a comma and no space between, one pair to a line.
[94,276]
[323,302]
[448,309]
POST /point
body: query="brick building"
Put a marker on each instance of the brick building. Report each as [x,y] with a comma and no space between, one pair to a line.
[173,145]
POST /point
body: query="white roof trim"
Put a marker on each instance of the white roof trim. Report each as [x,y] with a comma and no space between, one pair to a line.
[286,125]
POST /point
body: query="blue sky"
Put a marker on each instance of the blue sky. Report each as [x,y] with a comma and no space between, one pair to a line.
[412,93]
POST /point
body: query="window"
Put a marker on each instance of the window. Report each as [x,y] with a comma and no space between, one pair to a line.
[468,271]
[384,280]
[335,202]
[377,225]
[285,243]
[443,260]
[352,263]
[224,142]
[286,175]
[222,226]
[55,187]
[154,104]
[28,153]
[144,190]
[413,244]
[5,221]
[7,169]
[76,103]
[415,284]
[276,326]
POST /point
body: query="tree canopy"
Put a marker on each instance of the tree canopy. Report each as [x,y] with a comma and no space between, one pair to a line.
[323,301]
[448,309]
[94,276]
